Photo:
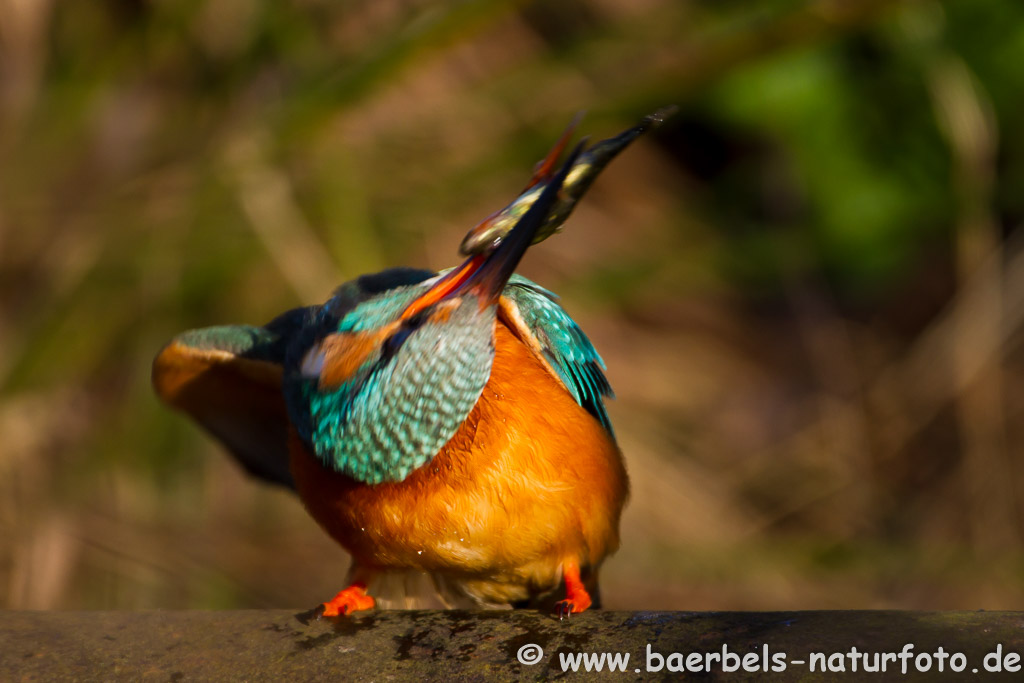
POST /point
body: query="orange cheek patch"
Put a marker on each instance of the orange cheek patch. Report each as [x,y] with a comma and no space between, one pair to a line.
[344,353]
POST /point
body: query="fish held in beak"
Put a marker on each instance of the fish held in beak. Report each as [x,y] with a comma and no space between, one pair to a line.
[490,233]
[486,274]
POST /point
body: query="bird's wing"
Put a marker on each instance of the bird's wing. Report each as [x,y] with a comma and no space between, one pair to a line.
[228,379]
[535,316]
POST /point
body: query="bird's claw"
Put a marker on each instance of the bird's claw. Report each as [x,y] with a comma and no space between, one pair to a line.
[565,608]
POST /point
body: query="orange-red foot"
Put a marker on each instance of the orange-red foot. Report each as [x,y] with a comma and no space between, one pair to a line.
[577,598]
[352,599]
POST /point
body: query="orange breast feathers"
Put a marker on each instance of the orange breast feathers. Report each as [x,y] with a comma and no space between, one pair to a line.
[530,480]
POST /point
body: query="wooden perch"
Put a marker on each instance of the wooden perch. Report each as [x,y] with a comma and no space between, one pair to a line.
[432,645]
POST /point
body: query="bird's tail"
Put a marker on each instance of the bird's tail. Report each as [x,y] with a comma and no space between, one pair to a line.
[416,589]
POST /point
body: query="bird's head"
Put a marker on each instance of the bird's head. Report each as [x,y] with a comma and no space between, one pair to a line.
[386,375]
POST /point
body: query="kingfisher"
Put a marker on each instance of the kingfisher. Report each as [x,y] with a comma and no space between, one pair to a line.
[449,425]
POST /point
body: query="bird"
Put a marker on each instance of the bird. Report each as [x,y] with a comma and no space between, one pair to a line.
[442,424]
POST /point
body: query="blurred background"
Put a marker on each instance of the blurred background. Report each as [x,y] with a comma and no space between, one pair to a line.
[808,286]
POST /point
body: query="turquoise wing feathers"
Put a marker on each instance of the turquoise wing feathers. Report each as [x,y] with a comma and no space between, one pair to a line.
[228,378]
[563,345]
